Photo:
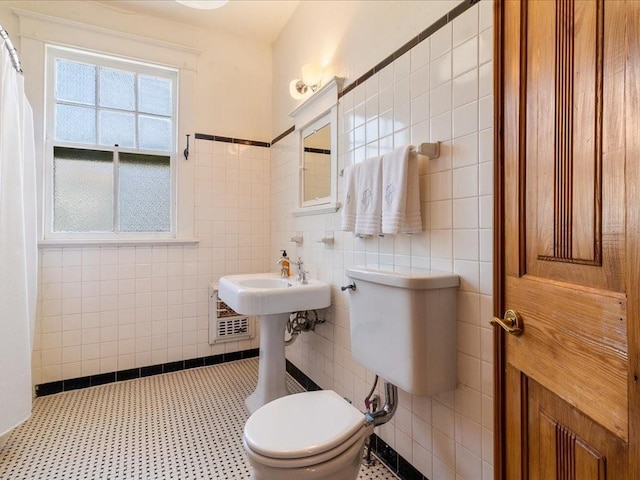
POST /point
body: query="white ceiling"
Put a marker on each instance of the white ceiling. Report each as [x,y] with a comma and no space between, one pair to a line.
[261,20]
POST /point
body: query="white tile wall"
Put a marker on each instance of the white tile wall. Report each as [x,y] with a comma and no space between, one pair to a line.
[104,309]
[439,91]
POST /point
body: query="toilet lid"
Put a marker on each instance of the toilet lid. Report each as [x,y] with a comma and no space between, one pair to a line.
[302,425]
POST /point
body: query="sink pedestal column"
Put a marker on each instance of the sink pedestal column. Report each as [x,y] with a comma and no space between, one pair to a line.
[272,381]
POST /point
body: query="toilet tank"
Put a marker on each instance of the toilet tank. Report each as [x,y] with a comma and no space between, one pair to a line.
[403,327]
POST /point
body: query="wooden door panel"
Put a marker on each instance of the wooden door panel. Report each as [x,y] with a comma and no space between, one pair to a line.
[562,249]
[574,343]
[568,444]
[568,87]
[570,79]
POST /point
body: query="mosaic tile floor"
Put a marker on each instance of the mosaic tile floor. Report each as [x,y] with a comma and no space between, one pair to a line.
[182,425]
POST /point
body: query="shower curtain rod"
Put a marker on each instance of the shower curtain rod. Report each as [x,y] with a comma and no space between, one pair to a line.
[13,53]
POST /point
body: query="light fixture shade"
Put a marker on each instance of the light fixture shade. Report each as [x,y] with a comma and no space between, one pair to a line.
[311,75]
[203,4]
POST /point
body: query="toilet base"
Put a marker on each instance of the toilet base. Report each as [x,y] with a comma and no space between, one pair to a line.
[345,466]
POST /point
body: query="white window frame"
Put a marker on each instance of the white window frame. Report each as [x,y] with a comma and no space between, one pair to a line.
[54,52]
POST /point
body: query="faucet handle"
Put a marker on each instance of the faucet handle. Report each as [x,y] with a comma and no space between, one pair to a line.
[298,263]
[302,276]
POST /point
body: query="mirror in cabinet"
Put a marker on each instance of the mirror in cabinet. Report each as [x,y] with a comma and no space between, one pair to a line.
[316,165]
[316,135]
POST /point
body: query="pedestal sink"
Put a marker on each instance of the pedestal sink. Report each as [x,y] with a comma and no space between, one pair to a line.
[273,299]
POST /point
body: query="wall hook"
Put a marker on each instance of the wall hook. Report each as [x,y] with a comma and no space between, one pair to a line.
[186,150]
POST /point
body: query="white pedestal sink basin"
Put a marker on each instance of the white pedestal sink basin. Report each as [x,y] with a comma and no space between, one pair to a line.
[273,299]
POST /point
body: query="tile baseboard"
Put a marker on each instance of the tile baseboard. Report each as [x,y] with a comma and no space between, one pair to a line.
[51,388]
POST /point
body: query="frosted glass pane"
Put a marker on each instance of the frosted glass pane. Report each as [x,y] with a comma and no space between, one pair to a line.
[117,89]
[154,133]
[117,128]
[75,124]
[82,190]
[154,95]
[75,82]
[145,193]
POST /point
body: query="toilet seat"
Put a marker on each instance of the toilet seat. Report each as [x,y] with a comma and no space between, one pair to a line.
[303,428]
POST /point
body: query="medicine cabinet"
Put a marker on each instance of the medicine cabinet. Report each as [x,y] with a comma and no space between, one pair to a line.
[316,133]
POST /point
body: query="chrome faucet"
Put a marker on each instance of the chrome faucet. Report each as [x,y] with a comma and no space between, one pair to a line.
[302,273]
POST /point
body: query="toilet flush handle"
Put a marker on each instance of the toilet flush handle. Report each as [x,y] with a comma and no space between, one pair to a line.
[351,286]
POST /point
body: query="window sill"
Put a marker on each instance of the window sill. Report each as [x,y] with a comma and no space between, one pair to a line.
[68,242]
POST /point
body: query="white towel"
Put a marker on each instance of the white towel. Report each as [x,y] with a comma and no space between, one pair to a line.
[350,176]
[412,218]
[369,197]
[401,191]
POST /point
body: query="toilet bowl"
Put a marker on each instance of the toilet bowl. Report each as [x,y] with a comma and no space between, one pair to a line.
[312,436]
[403,328]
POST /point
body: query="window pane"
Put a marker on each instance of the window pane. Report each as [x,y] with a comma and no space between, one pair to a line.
[145,193]
[154,95]
[82,190]
[75,124]
[75,82]
[117,128]
[117,89]
[154,133]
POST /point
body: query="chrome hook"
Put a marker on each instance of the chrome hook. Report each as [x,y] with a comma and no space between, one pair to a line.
[186,150]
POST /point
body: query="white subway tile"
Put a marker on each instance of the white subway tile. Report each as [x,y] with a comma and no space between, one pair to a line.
[485,113]
[402,67]
[485,46]
[420,81]
[465,88]
[440,99]
[465,57]
[485,79]
[465,26]
[440,71]
[441,41]
[441,127]
[465,119]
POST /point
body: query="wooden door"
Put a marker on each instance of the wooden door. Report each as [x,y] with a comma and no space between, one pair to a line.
[567,239]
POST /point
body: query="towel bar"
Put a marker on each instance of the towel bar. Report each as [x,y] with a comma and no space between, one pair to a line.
[429,149]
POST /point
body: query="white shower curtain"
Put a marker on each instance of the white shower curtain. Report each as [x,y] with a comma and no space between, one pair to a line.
[18,247]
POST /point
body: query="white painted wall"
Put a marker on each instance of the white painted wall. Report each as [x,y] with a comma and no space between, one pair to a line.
[441,90]
[346,38]
[233,78]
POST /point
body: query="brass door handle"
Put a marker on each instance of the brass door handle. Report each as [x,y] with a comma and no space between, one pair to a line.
[511,322]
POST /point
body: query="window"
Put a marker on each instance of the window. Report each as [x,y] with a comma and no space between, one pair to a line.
[111,136]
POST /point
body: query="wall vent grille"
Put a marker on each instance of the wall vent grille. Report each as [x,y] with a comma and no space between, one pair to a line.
[226,325]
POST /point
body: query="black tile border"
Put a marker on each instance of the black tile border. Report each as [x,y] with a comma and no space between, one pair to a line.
[322,151]
[394,461]
[300,377]
[283,134]
[51,388]
[426,33]
[241,141]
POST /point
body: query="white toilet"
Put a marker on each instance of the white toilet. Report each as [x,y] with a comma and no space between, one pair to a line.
[403,328]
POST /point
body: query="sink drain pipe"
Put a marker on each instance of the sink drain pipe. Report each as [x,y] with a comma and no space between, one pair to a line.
[304,321]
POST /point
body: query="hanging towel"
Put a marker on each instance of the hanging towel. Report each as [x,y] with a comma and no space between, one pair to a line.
[412,218]
[401,192]
[18,254]
[350,176]
[369,198]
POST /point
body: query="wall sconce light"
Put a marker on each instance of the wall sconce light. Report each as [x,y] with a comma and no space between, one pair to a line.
[311,78]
